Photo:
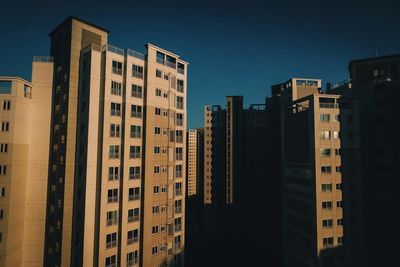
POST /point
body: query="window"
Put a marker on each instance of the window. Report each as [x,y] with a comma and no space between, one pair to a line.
[154,250]
[336,117]
[327,205]
[178,206]
[328,241]
[3,148]
[111,261]
[337,168]
[178,224]
[324,117]
[327,223]
[326,187]
[157,169]
[181,68]
[136,91]
[156,150]
[339,186]
[337,152]
[179,102]
[178,153]
[325,135]
[132,258]
[157,130]
[166,77]
[134,193]
[112,195]
[114,151]
[177,242]
[3,169]
[1,214]
[136,111]
[339,204]
[6,105]
[163,208]
[117,67]
[180,85]
[112,218]
[178,171]
[137,71]
[158,111]
[111,240]
[164,189]
[115,109]
[136,131]
[326,169]
[158,92]
[156,189]
[133,215]
[335,134]
[340,221]
[159,73]
[134,152]
[325,152]
[154,229]
[5,126]
[113,173]
[165,95]
[116,88]
[134,172]
[340,240]
[178,189]
[133,236]
[156,209]
[115,130]
[179,136]
[179,119]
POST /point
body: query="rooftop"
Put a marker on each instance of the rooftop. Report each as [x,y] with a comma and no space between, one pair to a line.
[70,18]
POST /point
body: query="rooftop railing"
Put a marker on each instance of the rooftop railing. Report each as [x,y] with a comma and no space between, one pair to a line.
[113,49]
[166,63]
[135,54]
[43,59]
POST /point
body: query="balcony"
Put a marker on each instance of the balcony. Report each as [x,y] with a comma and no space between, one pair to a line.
[114,155]
[132,262]
[178,245]
[178,192]
[111,222]
[134,155]
[112,177]
[136,114]
[179,156]
[181,71]
[179,122]
[179,139]
[178,227]
[136,135]
[137,94]
[113,199]
[115,112]
[179,105]
[137,74]
[180,88]
[113,49]
[166,63]
[328,105]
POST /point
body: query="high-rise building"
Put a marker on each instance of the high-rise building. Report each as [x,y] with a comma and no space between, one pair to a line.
[116,178]
[314,138]
[24,152]
[376,82]
[191,161]
[234,180]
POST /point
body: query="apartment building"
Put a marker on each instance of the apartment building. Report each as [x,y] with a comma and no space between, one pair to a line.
[24,144]
[116,180]
[191,161]
[313,185]
[234,175]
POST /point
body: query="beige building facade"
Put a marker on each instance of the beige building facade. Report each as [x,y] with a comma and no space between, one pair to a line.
[119,153]
[24,144]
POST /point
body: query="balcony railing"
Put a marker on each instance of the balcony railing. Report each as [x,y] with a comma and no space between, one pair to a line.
[166,63]
[113,49]
[179,105]
[134,197]
[132,240]
[137,94]
[180,88]
[115,112]
[134,176]
[134,155]
[43,59]
[111,244]
[133,218]
[111,222]
[132,262]
[137,74]
[181,71]
[136,114]
[178,227]
[112,199]
[179,139]
[179,122]
[112,177]
[178,245]
[114,156]
[178,192]
[179,156]
[136,135]
[135,54]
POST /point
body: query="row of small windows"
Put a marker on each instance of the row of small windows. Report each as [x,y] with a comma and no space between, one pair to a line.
[327,205]
[134,152]
[116,89]
[328,223]
[117,68]
[115,131]
[328,187]
[328,241]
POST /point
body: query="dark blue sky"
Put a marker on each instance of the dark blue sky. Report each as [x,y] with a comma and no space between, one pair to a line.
[233,47]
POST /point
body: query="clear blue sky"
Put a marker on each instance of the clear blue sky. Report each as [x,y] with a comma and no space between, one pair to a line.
[233,47]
